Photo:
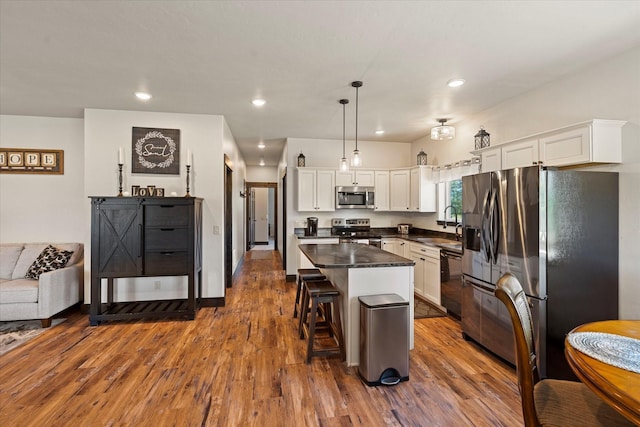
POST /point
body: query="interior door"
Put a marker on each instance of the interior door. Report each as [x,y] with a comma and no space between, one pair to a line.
[252,218]
[261,215]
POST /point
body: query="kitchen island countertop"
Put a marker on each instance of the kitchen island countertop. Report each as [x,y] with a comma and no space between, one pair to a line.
[352,255]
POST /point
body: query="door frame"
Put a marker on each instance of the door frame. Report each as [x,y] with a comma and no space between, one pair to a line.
[248,187]
[228,222]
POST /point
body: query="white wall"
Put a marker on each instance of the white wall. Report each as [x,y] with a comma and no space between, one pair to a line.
[608,90]
[262,174]
[43,208]
[208,138]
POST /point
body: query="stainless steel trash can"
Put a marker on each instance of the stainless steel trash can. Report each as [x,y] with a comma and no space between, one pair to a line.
[384,339]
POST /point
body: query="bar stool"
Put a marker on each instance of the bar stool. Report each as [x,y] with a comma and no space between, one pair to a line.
[305,274]
[317,293]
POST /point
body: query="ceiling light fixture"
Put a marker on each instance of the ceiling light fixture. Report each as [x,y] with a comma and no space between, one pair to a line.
[455,82]
[355,160]
[261,161]
[258,102]
[261,145]
[143,96]
[344,163]
[443,131]
[379,132]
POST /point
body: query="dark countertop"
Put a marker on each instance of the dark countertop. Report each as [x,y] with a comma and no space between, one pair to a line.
[352,255]
[437,239]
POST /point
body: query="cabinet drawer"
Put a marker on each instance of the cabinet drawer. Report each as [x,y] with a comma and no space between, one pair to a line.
[425,250]
[166,239]
[166,262]
[169,215]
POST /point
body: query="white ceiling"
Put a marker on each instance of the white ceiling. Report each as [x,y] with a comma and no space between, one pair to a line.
[59,57]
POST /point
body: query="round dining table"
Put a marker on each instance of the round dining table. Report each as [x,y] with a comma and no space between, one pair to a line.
[619,387]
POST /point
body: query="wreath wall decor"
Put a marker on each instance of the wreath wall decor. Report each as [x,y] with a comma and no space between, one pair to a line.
[155,151]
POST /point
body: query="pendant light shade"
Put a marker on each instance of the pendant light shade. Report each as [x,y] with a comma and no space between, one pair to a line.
[344,163]
[443,131]
[356,161]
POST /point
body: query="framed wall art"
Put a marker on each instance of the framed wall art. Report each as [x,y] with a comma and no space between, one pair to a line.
[155,151]
[35,161]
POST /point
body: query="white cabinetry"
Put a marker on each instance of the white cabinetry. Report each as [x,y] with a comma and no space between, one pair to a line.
[520,154]
[491,159]
[399,189]
[412,190]
[423,190]
[390,245]
[595,141]
[427,271]
[303,261]
[381,184]
[316,190]
[362,178]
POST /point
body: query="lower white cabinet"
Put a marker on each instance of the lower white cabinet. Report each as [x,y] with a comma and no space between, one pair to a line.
[427,271]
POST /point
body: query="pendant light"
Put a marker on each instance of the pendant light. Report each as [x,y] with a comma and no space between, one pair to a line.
[344,164]
[443,131]
[355,160]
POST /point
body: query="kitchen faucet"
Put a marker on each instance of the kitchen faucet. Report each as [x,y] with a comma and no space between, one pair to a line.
[455,215]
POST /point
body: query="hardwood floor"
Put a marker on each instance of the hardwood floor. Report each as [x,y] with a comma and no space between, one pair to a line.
[243,365]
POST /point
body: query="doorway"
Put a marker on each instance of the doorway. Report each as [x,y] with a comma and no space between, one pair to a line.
[228,223]
[262,215]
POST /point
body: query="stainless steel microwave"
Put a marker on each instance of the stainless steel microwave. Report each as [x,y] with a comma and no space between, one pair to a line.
[355,197]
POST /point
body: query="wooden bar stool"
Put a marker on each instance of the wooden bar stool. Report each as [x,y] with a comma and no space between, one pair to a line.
[303,275]
[317,293]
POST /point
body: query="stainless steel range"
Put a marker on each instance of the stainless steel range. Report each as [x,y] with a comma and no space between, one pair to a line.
[355,230]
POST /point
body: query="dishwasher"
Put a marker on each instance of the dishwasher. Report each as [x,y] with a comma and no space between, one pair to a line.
[451,282]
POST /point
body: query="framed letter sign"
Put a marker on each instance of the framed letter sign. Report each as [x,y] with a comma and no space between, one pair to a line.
[155,151]
[27,160]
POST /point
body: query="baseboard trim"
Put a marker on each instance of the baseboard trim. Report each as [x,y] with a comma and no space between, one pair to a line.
[204,302]
[291,278]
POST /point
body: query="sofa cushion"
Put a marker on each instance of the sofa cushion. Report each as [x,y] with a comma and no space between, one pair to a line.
[27,256]
[9,254]
[51,258]
[76,248]
[19,290]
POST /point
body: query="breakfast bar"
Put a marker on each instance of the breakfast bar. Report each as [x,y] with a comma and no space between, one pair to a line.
[358,270]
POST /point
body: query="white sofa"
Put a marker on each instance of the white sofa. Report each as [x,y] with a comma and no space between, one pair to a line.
[54,291]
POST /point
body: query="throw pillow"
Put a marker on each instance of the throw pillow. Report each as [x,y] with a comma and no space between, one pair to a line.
[49,259]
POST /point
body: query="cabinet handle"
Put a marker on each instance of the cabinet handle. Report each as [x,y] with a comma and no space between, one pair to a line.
[535,163]
[422,259]
[166,253]
[167,229]
[140,239]
[167,206]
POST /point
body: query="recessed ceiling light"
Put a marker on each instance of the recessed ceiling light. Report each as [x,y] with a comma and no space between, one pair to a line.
[143,96]
[261,162]
[455,82]
[379,132]
[261,145]
[258,102]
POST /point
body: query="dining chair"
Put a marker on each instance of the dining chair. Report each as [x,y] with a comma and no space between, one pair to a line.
[548,402]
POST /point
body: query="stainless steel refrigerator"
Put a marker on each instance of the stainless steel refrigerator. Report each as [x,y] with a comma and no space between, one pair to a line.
[557,232]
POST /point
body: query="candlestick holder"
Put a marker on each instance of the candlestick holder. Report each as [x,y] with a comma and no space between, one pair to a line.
[188,179]
[120,179]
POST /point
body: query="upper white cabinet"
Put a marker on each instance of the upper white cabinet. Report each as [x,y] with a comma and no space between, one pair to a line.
[316,190]
[362,178]
[520,154]
[423,190]
[412,190]
[595,141]
[399,189]
[490,159]
[381,184]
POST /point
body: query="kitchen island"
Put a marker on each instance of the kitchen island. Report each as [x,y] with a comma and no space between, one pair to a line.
[357,270]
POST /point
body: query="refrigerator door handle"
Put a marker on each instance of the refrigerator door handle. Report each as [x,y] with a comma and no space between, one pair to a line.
[484,238]
[492,229]
[495,227]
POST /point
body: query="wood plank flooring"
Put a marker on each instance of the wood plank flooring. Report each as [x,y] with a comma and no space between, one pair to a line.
[243,365]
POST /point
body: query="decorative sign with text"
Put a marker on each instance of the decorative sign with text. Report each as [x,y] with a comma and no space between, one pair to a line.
[155,151]
[26,160]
